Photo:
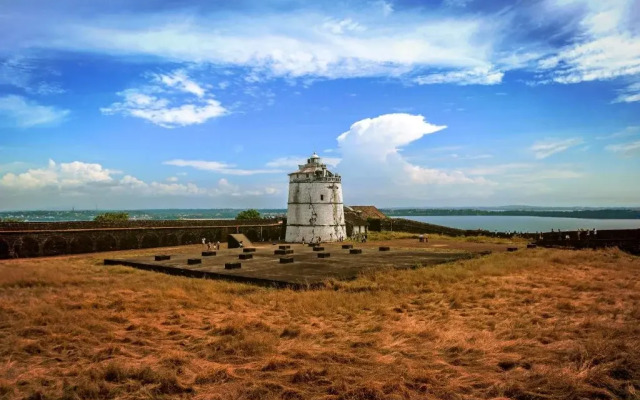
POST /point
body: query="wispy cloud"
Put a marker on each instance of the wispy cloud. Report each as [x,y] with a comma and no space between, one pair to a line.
[630,149]
[158,102]
[630,94]
[627,131]
[22,73]
[299,43]
[23,113]
[476,76]
[605,46]
[220,167]
[547,148]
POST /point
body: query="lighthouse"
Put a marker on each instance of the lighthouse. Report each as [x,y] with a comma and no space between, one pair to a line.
[314,210]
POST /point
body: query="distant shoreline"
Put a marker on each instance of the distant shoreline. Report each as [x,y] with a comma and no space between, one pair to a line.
[583,214]
[223,214]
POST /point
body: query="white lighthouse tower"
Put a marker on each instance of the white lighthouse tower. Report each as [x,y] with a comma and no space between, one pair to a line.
[315,210]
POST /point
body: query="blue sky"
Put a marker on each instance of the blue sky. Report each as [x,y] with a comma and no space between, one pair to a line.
[204,104]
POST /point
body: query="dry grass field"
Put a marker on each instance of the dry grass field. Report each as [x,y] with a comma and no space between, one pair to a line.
[534,324]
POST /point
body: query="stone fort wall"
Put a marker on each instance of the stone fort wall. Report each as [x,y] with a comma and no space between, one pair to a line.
[33,239]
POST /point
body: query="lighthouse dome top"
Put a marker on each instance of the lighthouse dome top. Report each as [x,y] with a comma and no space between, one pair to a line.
[313,170]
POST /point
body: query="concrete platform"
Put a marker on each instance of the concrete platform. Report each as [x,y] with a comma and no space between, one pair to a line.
[307,271]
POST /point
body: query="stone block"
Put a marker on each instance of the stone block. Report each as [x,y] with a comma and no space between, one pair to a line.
[283,252]
[245,256]
[485,252]
[347,246]
[324,255]
[355,251]
[162,257]
[318,248]
[232,265]
[532,246]
[284,247]
[249,250]
[384,248]
[286,260]
[208,253]
[512,249]
[192,261]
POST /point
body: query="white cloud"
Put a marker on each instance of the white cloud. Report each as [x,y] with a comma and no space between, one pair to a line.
[25,113]
[476,76]
[298,43]
[547,148]
[90,179]
[220,167]
[626,149]
[145,103]
[63,176]
[371,149]
[383,135]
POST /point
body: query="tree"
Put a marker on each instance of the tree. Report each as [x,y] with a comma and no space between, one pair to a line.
[248,214]
[112,217]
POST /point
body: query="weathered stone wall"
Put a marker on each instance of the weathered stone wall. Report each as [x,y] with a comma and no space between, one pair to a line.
[315,209]
[28,226]
[48,242]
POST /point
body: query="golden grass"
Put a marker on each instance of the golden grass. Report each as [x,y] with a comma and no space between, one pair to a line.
[535,324]
[387,235]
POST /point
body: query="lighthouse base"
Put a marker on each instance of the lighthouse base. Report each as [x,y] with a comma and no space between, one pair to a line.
[329,233]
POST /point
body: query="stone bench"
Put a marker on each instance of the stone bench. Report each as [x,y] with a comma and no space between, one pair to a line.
[208,253]
[232,265]
[284,247]
[324,255]
[162,257]
[283,252]
[384,248]
[512,249]
[245,256]
[318,248]
[286,260]
[347,246]
[249,250]
[192,261]
[532,246]
[355,251]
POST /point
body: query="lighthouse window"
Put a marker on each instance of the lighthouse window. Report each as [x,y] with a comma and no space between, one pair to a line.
[321,197]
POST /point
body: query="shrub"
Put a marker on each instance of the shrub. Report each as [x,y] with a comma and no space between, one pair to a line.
[112,217]
[248,214]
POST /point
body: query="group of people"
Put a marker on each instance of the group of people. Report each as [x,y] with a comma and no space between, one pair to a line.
[210,245]
[580,234]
